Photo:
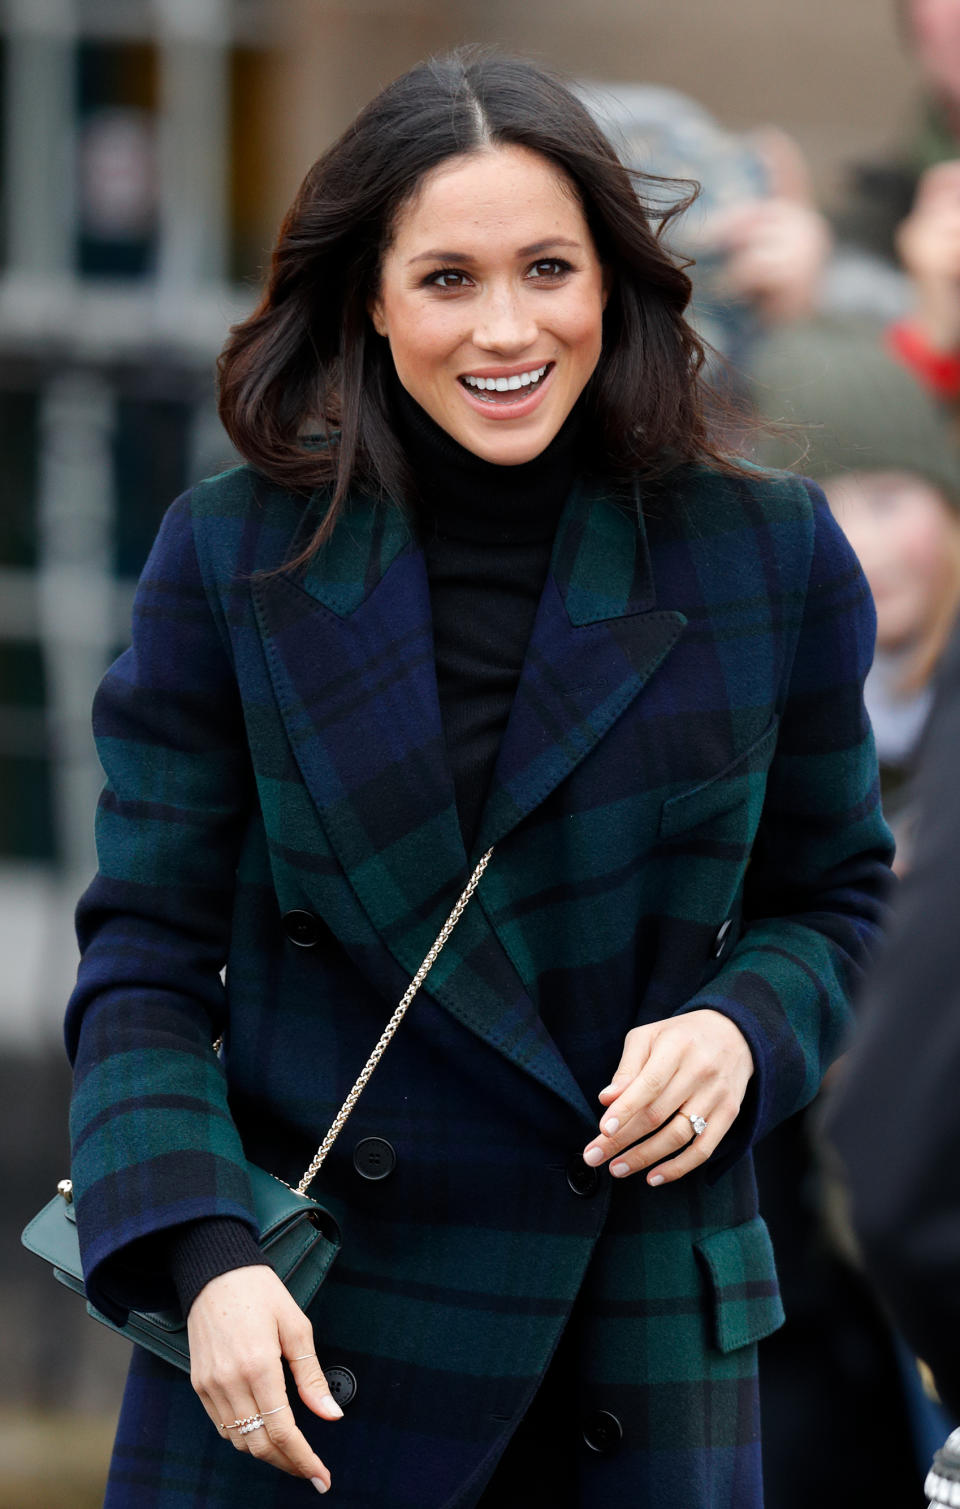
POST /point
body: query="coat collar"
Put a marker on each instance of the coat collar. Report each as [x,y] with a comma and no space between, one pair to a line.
[350,649]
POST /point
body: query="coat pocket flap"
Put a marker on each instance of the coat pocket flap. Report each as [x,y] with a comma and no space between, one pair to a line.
[728,788]
[743,1280]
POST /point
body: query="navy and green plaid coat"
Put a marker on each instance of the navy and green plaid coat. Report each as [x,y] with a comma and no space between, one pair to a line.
[687,746]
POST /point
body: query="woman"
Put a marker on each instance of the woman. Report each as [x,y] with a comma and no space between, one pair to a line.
[483,581]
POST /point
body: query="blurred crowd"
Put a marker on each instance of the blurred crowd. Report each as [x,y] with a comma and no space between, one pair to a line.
[839,337]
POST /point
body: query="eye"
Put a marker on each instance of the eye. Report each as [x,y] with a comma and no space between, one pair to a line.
[446,277]
[551,268]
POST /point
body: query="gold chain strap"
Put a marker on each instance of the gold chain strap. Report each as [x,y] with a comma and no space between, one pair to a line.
[387,1033]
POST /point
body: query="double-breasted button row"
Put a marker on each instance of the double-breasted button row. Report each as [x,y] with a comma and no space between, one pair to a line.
[343,1383]
[602,1432]
[582,1179]
[302,927]
[722,938]
[374,1158]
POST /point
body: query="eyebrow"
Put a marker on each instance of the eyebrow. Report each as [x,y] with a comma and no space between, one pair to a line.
[524,251]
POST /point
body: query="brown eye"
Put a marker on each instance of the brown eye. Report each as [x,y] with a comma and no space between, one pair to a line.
[550,267]
[449,277]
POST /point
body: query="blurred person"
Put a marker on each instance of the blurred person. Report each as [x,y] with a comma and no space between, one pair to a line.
[895,1119]
[907,209]
[487,578]
[884,454]
[759,245]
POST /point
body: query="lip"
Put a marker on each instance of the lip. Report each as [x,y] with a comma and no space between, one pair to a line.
[515,371]
[526,400]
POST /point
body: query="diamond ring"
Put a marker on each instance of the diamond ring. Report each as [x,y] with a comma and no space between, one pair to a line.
[252,1422]
[698,1124]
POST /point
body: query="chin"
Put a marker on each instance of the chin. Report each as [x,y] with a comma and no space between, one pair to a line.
[509,450]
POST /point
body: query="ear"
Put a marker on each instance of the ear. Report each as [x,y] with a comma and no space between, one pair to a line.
[606,286]
[375,311]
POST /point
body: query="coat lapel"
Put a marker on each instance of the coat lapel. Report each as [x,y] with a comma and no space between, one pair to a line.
[596,641]
[350,650]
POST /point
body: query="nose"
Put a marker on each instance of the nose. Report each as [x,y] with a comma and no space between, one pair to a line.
[504,322]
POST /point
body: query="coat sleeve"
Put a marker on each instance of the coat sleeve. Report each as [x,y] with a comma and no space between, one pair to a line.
[153,1141]
[896,1115]
[814,901]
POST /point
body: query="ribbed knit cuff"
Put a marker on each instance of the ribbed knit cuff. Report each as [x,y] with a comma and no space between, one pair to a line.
[202,1250]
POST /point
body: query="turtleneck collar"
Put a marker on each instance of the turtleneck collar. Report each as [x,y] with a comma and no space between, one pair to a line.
[461,496]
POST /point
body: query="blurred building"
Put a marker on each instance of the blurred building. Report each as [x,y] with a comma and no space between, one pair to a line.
[131,184]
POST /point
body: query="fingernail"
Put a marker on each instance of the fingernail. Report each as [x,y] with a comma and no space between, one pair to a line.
[593,1156]
[608,1088]
[331,1406]
[655,1179]
[319,1485]
[619,1169]
[611,1126]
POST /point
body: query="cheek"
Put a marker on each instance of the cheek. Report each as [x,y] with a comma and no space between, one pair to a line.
[419,340]
[584,331]
[925,549]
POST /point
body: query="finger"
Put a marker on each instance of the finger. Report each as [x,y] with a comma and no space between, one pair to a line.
[671,1138]
[943,179]
[313,1387]
[636,1050]
[262,1397]
[660,1140]
[719,1118]
[218,1408]
[645,1104]
[279,1441]
[787,168]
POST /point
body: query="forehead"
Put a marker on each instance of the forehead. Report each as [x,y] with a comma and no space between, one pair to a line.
[491,196]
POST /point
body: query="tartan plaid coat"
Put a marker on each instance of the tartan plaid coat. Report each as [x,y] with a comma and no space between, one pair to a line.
[690,702]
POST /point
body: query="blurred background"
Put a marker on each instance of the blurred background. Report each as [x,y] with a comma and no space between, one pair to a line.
[147,151]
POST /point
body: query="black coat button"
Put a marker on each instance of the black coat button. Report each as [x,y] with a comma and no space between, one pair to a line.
[374,1158]
[343,1385]
[582,1179]
[602,1432]
[302,928]
[722,936]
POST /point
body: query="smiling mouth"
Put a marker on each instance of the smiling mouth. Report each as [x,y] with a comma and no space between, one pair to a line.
[496,390]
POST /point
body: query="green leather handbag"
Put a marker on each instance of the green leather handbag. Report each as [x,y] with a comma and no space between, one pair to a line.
[298,1237]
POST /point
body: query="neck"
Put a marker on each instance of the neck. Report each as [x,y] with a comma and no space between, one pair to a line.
[460,495]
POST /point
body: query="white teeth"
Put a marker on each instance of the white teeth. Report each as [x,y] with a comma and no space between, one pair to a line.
[506,384]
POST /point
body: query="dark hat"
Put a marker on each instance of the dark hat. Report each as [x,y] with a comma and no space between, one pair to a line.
[857,408]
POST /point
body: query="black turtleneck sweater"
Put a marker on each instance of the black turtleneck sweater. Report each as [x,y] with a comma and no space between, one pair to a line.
[487,532]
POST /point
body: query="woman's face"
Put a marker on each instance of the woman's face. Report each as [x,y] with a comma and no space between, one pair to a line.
[935,27]
[905,535]
[491,296]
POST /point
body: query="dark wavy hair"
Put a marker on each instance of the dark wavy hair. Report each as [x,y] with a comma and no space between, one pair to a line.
[309,360]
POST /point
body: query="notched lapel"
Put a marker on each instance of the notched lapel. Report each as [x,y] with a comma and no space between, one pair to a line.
[350,651]
[596,641]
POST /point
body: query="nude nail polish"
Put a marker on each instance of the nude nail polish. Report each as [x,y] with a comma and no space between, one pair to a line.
[319,1485]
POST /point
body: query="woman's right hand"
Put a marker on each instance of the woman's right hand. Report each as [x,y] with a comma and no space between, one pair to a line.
[241,1325]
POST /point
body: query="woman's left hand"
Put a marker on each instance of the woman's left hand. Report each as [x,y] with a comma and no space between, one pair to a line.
[696,1065]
